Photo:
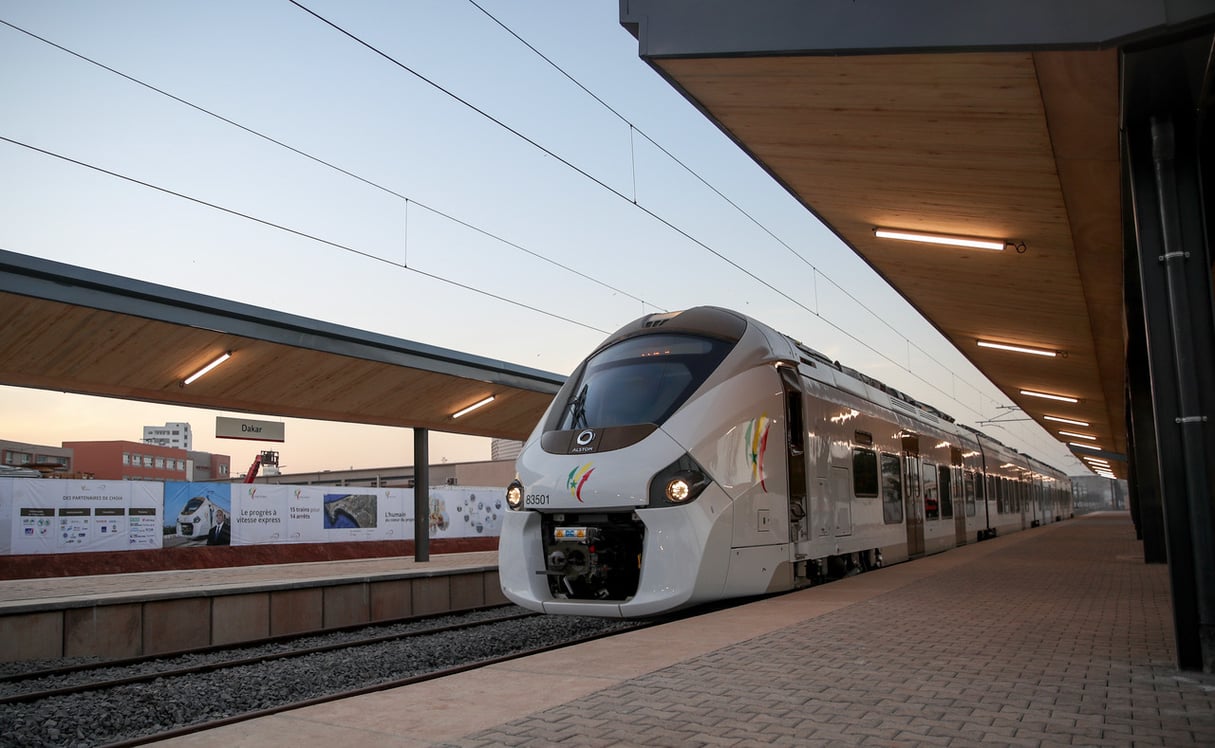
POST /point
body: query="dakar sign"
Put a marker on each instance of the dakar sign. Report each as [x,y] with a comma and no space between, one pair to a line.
[241,428]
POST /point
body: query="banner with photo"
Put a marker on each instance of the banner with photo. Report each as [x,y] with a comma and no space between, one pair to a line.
[465,511]
[327,514]
[73,516]
[197,514]
[67,516]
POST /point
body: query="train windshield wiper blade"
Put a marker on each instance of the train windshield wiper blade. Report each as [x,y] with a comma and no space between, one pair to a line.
[578,408]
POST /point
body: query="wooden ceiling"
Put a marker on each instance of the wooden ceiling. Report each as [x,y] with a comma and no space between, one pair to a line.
[1018,146]
[74,330]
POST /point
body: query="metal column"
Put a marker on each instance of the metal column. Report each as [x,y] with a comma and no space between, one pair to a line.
[421,494]
[1165,176]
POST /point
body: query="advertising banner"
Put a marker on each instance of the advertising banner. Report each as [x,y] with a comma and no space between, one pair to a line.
[326,514]
[259,513]
[71,516]
[465,511]
[6,516]
[197,514]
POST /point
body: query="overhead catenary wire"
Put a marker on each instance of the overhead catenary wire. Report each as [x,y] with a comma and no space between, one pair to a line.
[631,199]
[634,129]
[297,232]
[326,163]
[682,232]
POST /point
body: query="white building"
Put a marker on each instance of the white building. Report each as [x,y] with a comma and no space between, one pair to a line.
[170,435]
[504,449]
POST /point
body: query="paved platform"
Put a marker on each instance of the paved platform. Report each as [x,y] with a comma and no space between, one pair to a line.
[1059,635]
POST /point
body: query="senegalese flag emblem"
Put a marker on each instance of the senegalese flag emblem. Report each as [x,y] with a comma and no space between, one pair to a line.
[757,445]
[577,479]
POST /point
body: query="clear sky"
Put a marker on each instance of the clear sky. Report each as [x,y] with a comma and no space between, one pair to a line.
[489,204]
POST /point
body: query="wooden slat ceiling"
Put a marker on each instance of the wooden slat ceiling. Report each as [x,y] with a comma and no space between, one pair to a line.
[1020,146]
[57,344]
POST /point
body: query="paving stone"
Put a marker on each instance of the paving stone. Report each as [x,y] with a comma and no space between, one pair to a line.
[1054,639]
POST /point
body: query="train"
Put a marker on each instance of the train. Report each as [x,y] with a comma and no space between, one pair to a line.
[700,455]
[197,518]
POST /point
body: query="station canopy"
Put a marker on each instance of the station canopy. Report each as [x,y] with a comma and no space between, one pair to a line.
[980,119]
[76,330]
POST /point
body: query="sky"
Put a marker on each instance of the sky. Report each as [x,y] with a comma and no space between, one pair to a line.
[506,179]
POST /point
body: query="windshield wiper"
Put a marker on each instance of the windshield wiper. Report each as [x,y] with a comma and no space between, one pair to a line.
[578,409]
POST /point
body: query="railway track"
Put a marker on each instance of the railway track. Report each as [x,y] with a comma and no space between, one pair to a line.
[149,699]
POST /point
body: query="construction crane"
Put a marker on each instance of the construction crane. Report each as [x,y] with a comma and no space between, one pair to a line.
[268,459]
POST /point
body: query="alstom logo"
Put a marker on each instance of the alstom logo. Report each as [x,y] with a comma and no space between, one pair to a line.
[577,479]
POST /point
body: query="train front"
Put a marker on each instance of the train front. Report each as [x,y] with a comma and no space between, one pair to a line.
[625,494]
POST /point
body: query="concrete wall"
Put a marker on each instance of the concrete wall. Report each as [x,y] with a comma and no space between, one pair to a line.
[130,628]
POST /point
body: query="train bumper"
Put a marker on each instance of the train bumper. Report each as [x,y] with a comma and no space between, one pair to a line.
[685,560]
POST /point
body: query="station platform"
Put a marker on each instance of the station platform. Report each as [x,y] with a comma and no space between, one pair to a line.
[1058,635]
[126,615]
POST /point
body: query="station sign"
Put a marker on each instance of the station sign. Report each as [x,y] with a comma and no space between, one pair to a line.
[244,428]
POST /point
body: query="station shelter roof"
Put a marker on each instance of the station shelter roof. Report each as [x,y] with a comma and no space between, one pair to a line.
[77,330]
[973,118]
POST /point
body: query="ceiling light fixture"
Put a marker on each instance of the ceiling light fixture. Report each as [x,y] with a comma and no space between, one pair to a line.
[1085,446]
[1018,348]
[1069,421]
[970,242]
[474,406]
[1049,396]
[1093,459]
[1078,436]
[190,379]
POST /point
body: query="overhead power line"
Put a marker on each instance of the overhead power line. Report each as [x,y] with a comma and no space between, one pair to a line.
[329,164]
[297,232]
[473,227]
[612,190]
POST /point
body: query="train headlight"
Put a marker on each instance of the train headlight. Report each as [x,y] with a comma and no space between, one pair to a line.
[679,490]
[197,520]
[678,483]
[514,495]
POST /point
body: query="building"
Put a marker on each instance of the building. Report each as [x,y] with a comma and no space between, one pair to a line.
[125,460]
[44,459]
[504,449]
[170,435]
[207,466]
[485,473]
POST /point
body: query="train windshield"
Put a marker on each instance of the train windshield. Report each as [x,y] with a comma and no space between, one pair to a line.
[192,505]
[640,380]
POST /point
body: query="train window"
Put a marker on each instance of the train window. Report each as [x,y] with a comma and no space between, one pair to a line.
[892,490]
[970,482]
[639,380]
[864,472]
[932,502]
[946,492]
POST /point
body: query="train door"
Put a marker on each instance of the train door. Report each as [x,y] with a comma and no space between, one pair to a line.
[796,452]
[841,500]
[913,500]
[958,495]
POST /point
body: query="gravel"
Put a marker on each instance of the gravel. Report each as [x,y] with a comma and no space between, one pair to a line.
[132,711]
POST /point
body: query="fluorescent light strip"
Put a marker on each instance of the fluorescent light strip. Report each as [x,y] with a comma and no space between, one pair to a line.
[207,368]
[474,406]
[1096,461]
[1016,348]
[1078,436]
[1057,419]
[945,239]
[1085,446]
[1048,396]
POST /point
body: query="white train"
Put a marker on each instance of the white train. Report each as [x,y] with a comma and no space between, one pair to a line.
[196,518]
[701,455]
